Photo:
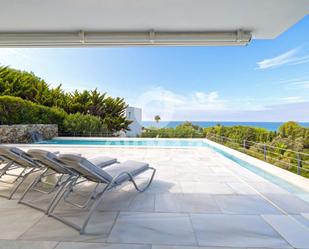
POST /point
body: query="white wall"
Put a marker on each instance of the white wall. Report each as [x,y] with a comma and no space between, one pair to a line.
[134,114]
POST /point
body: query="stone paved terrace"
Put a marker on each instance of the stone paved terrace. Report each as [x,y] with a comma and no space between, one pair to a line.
[198,199]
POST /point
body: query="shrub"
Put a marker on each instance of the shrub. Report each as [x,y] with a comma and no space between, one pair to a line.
[14,110]
[83,124]
[185,130]
[240,133]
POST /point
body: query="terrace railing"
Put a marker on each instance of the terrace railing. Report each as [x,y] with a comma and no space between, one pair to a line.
[294,161]
[87,134]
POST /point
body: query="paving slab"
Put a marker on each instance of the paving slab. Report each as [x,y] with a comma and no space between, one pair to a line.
[161,185]
[5,203]
[304,197]
[306,215]
[267,188]
[290,229]
[242,188]
[245,204]
[289,203]
[187,203]
[50,229]
[235,230]
[25,244]
[153,228]
[16,221]
[193,247]
[206,188]
[82,245]
[142,202]
[301,219]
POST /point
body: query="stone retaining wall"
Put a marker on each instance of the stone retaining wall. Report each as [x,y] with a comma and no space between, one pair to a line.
[21,133]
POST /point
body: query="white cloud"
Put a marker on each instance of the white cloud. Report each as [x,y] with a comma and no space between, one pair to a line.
[205,101]
[296,83]
[170,105]
[304,84]
[293,99]
[290,57]
[202,97]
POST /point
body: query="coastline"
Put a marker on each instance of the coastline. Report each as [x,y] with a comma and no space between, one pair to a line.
[272,126]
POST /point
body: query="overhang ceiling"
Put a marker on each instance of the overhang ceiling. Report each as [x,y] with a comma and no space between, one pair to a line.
[264,19]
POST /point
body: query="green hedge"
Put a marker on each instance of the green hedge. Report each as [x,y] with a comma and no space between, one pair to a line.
[83,124]
[14,110]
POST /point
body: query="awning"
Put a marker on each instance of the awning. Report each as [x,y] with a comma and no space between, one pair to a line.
[144,22]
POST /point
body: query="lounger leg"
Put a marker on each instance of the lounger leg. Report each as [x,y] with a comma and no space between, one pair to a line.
[60,190]
[92,196]
[93,208]
[149,183]
[36,181]
[18,184]
[56,201]
[5,168]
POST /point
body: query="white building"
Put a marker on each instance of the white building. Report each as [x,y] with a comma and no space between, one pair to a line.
[134,114]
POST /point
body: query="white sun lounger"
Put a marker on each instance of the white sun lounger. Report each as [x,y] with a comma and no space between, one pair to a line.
[16,159]
[110,176]
[62,174]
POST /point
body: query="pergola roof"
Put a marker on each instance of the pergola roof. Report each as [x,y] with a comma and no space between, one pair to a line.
[264,19]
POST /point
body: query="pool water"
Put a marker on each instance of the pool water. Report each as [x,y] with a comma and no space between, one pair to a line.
[174,143]
[125,142]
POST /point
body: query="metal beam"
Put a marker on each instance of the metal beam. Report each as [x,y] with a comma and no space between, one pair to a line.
[101,39]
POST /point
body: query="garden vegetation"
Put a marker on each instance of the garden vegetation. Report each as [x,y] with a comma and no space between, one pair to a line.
[27,99]
[287,148]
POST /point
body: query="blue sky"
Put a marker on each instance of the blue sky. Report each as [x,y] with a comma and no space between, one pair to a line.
[265,81]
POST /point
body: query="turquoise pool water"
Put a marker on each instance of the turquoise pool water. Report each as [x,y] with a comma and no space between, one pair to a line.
[182,143]
[142,142]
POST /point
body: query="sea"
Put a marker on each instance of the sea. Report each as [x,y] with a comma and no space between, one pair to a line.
[272,126]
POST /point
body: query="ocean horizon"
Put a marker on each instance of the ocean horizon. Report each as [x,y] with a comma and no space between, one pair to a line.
[272,126]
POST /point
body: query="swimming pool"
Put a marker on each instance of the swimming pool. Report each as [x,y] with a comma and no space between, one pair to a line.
[177,143]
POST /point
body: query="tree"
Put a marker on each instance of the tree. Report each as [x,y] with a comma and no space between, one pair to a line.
[113,114]
[291,129]
[24,85]
[157,118]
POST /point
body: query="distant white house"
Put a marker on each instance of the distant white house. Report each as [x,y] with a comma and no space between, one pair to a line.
[134,114]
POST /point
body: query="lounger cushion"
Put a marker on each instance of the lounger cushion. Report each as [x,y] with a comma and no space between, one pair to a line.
[133,167]
[18,156]
[84,167]
[48,159]
[102,161]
